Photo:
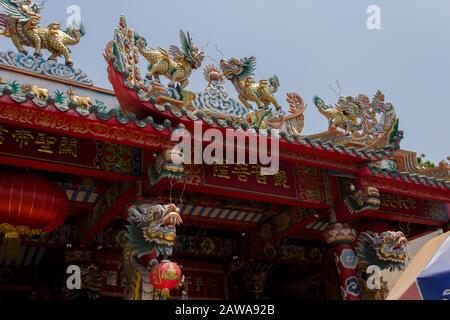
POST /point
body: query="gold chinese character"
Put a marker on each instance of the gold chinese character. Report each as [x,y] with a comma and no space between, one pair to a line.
[260,178]
[410,204]
[2,137]
[68,146]
[45,143]
[242,172]
[280,179]
[221,171]
[23,137]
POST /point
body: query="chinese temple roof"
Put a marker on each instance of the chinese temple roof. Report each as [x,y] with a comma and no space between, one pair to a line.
[59,102]
[359,128]
[410,177]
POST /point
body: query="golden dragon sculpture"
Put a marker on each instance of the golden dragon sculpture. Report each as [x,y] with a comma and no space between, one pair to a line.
[175,64]
[21,21]
[240,73]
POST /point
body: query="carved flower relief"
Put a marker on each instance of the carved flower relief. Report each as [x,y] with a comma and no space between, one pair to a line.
[338,232]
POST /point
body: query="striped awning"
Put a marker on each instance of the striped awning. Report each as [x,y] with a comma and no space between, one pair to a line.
[29,257]
[317,225]
[81,196]
[267,268]
[217,213]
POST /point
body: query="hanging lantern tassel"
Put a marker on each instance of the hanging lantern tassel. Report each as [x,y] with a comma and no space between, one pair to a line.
[10,249]
[164,277]
[165,293]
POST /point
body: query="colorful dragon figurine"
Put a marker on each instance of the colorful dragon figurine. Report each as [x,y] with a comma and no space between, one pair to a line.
[175,64]
[165,168]
[386,250]
[367,124]
[240,73]
[360,200]
[342,116]
[151,234]
[21,24]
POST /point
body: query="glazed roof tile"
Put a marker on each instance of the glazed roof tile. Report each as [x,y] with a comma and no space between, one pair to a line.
[410,177]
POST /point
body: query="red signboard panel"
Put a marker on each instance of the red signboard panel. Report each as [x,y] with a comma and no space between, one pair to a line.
[248,178]
[65,150]
[292,181]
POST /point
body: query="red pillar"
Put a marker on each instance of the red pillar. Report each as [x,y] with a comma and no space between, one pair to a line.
[340,237]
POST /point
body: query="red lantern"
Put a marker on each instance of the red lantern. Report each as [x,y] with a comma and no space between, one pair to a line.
[29,205]
[165,276]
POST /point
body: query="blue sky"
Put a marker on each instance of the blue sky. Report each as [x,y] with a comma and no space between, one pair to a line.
[308,44]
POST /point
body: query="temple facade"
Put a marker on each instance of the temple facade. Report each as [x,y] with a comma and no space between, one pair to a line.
[90,185]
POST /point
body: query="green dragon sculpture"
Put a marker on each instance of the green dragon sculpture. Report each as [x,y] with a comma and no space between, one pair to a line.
[21,24]
[360,200]
[240,73]
[387,251]
[175,64]
[165,168]
[151,233]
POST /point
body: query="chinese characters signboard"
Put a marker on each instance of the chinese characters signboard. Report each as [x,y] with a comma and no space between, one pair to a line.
[86,153]
[248,178]
[419,208]
[292,181]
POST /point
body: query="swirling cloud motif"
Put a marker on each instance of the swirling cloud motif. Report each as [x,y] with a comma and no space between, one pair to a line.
[352,286]
[216,99]
[41,66]
[348,258]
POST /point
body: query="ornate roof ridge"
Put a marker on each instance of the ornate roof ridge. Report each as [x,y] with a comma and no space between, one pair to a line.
[407,161]
[410,177]
[63,104]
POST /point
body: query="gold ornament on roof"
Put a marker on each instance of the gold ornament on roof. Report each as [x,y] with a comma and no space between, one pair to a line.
[174,64]
[80,102]
[37,92]
[363,123]
[240,73]
[21,23]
